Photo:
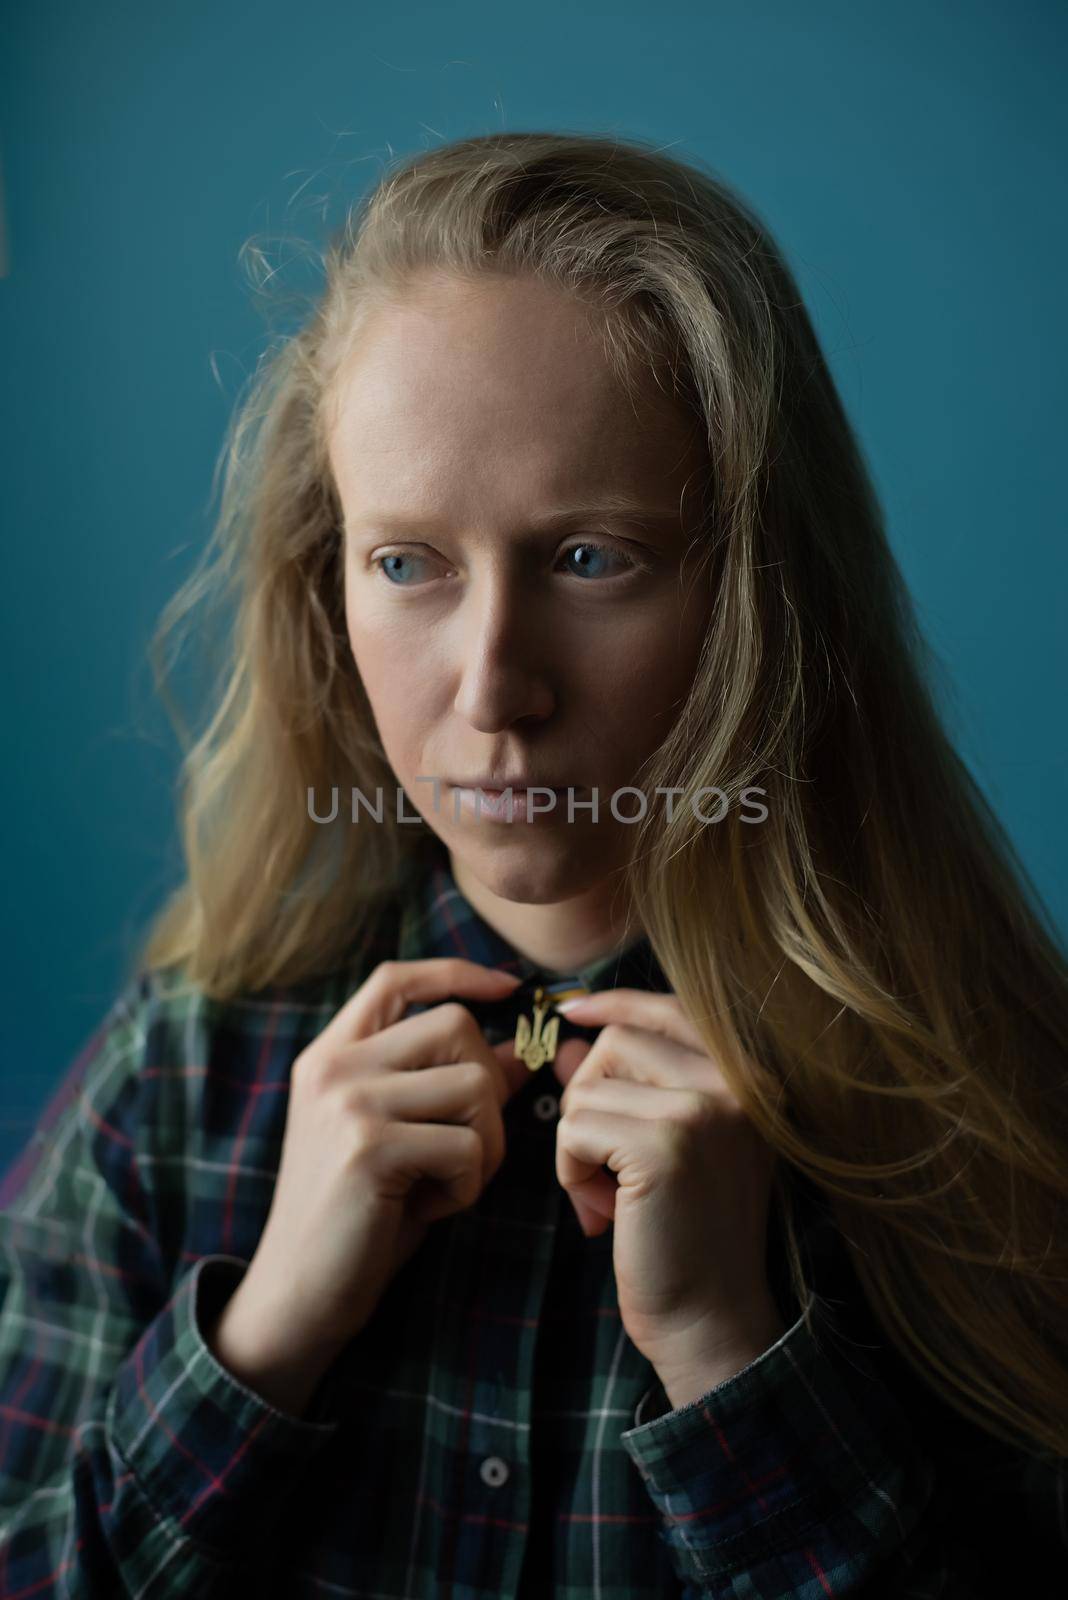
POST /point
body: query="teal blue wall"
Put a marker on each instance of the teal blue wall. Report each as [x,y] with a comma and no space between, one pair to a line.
[910,159]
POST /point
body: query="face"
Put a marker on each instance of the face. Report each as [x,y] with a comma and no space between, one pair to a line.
[515,592]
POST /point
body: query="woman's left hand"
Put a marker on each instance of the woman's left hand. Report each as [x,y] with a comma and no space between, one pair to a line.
[689,1190]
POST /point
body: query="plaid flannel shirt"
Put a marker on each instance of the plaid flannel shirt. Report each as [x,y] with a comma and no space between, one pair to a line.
[491,1431]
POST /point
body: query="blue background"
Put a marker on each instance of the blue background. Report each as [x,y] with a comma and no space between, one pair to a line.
[909,159]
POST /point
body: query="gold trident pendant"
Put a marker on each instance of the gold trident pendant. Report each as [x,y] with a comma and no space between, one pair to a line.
[535,1039]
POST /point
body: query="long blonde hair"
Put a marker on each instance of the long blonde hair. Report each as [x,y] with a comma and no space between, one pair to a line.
[871,966]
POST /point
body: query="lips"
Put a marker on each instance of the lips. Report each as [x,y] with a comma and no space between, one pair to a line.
[537,801]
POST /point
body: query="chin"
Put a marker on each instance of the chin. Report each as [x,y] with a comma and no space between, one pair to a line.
[535,870]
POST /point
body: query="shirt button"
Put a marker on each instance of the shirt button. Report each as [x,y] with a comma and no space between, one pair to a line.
[493,1471]
[545,1107]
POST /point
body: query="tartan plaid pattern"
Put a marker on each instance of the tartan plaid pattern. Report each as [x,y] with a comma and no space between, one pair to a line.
[491,1431]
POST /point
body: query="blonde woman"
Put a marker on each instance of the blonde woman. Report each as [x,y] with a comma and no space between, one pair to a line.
[358,1254]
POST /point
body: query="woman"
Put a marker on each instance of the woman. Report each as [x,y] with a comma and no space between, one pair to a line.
[319,1282]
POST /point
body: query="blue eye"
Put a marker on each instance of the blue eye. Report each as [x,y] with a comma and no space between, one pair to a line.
[599,551]
[391,572]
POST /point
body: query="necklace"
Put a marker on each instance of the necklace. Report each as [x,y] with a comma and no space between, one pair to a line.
[536,1036]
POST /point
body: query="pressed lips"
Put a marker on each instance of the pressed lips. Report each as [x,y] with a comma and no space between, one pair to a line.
[490,800]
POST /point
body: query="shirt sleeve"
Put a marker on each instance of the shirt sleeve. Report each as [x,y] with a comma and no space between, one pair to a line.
[131,1460]
[802,1475]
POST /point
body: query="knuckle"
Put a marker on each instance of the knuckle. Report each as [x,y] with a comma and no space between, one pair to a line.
[382,980]
[376,979]
[471,1141]
[363,1134]
[312,1070]
[328,1067]
[454,1016]
[476,1076]
[366,1124]
[303,1064]
[695,1110]
[684,1132]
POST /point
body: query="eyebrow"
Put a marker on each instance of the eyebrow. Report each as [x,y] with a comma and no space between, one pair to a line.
[616,508]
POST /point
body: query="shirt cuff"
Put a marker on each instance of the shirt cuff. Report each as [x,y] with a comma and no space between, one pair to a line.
[209,1453]
[654,1403]
[796,1441]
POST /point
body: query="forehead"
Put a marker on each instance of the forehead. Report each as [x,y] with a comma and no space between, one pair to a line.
[509,377]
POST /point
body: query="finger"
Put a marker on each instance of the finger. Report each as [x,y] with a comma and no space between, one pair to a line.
[595,1204]
[384,996]
[443,1153]
[445,1094]
[630,1099]
[594,1194]
[638,1056]
[516,1073]
[569,1057]
[639,1008]
[441,1036]
[588,1141]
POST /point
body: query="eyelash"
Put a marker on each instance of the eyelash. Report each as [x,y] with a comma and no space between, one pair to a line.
[629,562]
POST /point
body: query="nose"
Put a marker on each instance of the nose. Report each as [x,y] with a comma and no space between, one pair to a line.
[504,649]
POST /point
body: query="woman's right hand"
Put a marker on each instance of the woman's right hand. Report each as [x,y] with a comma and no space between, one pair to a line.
[392,1123]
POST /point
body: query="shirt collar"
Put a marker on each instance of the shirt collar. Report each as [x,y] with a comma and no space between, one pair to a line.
[436,919]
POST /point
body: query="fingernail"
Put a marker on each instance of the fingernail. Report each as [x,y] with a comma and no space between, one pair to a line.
[569,1005]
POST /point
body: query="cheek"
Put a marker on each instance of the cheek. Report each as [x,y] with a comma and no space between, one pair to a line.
[376,656]
[407,682]
[637,671]
[394,678]
[381,643]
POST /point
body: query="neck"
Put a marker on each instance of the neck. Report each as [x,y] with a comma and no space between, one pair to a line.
[559,936]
